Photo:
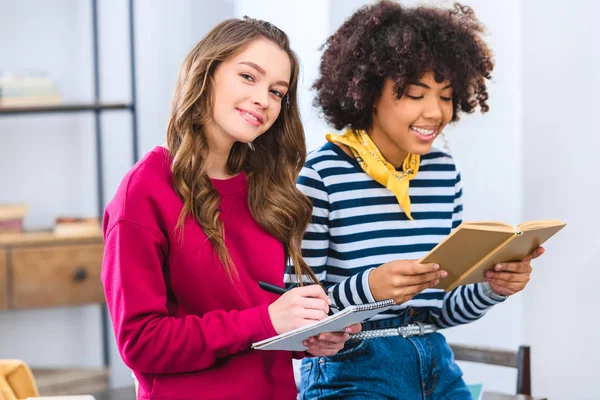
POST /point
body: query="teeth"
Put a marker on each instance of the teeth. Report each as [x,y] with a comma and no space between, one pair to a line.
[422,131]
[251,116]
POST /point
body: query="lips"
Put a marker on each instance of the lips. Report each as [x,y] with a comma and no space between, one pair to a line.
[424,133]
[252,118]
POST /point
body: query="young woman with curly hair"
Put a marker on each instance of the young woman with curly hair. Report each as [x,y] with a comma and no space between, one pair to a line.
[201,219]
[394,77]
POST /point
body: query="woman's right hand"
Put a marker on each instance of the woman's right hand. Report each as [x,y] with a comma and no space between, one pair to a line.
[298,307]
[401,280]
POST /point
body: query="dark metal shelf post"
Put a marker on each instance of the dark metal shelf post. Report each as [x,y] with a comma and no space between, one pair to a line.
[98,136]
[99,169]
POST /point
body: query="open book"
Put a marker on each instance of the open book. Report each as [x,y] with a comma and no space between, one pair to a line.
[337,322]
[475,247]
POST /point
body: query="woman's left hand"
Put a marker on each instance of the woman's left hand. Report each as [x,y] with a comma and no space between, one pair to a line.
[328,344]
[512,277]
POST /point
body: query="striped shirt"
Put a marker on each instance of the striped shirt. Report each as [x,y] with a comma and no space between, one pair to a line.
[357,225]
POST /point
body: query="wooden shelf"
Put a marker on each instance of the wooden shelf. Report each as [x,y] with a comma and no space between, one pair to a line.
[45,238]
[41,270]
[63,108]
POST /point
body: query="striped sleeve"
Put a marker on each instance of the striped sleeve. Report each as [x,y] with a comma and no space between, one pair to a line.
[458,203]
[315,247]
[468,303]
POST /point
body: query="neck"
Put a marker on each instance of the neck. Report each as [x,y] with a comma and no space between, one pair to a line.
[218,154]
[390,150]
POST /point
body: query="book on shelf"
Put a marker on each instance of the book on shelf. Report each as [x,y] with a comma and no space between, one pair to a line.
[12,216]
[29,89]
[474,248]
[26,101]
[76,226]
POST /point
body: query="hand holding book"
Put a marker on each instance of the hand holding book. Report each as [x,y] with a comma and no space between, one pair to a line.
[401,280]
[475,248]
[509,278]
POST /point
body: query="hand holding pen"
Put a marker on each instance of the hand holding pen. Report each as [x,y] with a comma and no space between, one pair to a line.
[279,290]
[297,307]
[302,306]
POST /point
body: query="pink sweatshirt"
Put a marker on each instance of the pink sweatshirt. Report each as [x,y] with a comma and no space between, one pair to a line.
[180,323]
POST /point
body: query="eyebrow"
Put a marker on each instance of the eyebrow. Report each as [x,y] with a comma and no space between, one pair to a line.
[427,86]
[262,72]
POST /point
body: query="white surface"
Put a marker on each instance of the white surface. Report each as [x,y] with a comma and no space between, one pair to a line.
[561,87]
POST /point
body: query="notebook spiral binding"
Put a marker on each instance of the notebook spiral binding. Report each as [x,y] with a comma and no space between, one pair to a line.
[373,306]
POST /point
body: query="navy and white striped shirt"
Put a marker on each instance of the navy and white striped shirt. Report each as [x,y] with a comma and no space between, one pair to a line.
[358,225]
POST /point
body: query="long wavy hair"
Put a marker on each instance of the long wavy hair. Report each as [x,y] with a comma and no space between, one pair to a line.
[271,162]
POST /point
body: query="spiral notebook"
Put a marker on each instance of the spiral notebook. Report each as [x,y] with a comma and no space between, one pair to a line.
[350,315]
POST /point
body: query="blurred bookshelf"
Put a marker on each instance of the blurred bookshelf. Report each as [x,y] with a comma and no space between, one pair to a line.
[42,269]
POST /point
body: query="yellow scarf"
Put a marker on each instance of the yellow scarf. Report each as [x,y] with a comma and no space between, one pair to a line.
[374,164]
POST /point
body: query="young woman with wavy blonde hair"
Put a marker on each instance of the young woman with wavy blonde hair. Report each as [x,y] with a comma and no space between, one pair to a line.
[201,219]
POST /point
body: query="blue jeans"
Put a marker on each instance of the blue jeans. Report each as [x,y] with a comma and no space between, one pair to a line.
[420,367]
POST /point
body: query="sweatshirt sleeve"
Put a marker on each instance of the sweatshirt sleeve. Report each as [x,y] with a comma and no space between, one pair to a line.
[148,338]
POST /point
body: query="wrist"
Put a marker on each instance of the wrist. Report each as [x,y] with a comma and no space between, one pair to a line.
[372,277]
[489,292]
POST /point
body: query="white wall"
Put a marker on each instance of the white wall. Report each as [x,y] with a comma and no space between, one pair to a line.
[306,24]
[488,150]
[561,60]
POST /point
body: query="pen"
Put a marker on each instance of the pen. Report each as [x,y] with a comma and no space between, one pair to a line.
[279,290]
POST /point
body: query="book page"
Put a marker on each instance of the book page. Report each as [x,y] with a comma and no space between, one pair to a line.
[530,225]
[489,226]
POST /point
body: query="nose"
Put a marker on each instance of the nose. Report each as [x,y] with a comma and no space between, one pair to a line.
[260,96]
[433,110]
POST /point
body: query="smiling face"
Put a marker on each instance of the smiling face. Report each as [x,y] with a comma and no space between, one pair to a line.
[248,92]
[410,124]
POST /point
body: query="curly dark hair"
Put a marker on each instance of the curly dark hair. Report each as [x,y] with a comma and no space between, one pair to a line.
[387,40]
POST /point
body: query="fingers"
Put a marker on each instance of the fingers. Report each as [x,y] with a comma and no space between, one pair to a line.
[311,314]
[331,338]
[353,328]
[412,280]
[319,351]
[504,280]
[416,289]
[509,278]
[329,343]
[313,304]
[402,295]
[414,268]
[312,291]
[534,254]
[321,347]
[522,266]
[511,268]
